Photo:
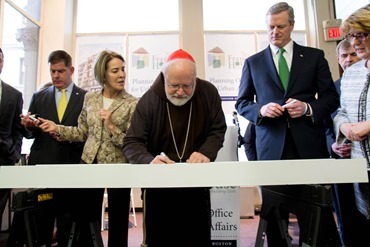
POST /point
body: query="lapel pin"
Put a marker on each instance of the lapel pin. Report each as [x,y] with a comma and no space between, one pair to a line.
[301,55]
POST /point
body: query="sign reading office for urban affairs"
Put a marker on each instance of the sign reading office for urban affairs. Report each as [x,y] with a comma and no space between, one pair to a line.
[225,203]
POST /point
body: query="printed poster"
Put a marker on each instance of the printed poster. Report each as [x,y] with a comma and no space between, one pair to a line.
[225,55]
[147,54]
[87,49]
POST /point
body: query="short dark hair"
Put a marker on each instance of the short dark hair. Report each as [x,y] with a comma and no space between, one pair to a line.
[60,56]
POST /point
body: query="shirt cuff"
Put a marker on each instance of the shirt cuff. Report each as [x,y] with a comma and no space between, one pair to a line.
[309,112]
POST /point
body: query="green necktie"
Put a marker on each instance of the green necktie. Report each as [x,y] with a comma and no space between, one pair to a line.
[62,104]
[283,69]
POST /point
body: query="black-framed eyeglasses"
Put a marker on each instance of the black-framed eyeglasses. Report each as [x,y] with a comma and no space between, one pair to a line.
[176,87]
[359,36]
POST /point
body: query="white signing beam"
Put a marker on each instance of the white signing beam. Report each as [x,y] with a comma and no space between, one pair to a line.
[284,172]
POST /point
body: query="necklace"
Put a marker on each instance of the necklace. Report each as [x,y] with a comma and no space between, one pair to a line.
[173,134]
[361,115]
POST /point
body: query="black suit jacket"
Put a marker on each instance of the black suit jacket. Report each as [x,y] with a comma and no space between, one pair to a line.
[11,131]
[249,139]
[309,76]
[45,149]
[330,136]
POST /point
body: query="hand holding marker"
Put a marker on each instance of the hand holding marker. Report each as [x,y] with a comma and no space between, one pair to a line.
[289,103]
[166,159]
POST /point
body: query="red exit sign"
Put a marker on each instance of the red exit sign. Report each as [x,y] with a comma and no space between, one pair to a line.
[332,30]
[334,33]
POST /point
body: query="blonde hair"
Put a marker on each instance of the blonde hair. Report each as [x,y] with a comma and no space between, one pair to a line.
[358,20]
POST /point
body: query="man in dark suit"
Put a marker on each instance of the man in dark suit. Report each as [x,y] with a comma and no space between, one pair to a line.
[11,104]
[46,149]
[296,130]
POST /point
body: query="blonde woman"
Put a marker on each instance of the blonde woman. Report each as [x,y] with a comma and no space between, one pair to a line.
[352,123]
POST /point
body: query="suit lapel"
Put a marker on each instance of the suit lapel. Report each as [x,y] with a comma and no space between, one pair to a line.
[50,98]
[4,96]
[73,100]
[271,68]
[297,63]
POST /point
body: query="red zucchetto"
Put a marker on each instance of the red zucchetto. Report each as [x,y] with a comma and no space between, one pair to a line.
[180,54]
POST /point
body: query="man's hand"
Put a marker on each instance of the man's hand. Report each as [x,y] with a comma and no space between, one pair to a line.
[197,157]
[271,110]
[343,150]
[27,122]
[162,159]
[295,108]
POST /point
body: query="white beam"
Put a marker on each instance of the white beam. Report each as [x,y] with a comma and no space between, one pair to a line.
[284,172]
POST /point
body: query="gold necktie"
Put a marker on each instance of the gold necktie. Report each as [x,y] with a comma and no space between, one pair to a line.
[62,104]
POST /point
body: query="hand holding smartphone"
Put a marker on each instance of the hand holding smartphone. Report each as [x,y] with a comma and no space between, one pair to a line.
[34,117]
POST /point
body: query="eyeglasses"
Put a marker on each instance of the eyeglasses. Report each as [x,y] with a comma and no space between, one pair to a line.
[359,36]
[176,87]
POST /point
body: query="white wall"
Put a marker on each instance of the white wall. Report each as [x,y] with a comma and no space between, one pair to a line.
[56,33]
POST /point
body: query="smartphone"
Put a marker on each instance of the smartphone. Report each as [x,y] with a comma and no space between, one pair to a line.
[34,117]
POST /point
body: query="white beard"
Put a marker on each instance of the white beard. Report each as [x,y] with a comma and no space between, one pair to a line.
[179,101]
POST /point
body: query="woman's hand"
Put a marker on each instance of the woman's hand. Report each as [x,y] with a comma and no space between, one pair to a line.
[48,125]
[357,131]
[105,116]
